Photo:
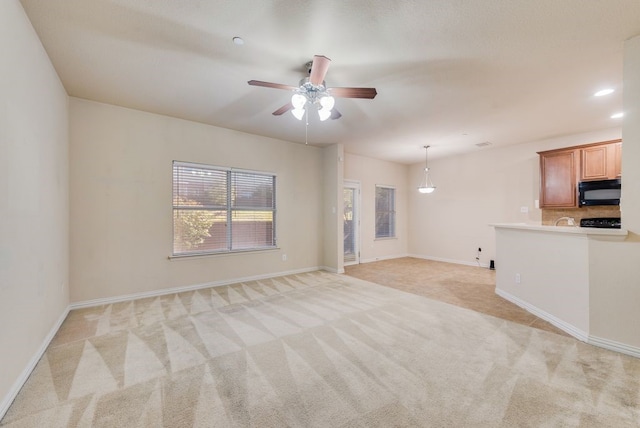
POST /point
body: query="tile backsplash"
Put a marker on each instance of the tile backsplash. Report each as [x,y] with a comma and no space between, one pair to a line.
[550,215]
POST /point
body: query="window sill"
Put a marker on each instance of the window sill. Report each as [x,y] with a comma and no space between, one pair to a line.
[386,239]
[221,254]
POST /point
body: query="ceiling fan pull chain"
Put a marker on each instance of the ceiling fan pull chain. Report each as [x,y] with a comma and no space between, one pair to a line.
[306,127]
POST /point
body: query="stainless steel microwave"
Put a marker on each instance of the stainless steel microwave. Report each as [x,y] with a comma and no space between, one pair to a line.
[600,192]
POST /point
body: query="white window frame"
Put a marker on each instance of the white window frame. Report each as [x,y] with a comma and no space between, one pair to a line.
[230,209]
[391,213]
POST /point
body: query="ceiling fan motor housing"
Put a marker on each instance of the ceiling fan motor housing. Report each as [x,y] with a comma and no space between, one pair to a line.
[307,67]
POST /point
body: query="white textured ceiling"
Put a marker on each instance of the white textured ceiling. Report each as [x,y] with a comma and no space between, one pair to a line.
[449,73]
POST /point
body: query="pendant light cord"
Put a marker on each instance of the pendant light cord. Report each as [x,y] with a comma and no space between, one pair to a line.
[426,158]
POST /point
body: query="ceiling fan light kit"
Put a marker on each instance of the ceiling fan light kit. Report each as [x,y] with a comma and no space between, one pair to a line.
[427,185]
[312,91]
[309,94]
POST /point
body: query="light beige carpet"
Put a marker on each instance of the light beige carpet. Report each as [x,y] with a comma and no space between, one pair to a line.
[318,350]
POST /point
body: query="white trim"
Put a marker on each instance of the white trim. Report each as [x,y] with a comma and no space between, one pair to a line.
[562,325]
[600,342]
[173,290]
[440,259]
[377,259]
[612,345]
[357,209]
[332,270]
[187,256]
[20,381]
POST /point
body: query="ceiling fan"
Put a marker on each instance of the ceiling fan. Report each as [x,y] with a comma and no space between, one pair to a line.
[312,91]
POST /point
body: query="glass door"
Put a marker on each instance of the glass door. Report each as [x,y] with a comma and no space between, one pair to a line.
[351,223]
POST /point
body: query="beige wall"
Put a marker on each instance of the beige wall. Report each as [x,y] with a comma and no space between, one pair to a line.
[121,216]
[33,197]
[553,269]
[615,267]
[477,189]
[369,172]
[332,173]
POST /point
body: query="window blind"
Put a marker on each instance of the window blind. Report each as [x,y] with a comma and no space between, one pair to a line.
[217,209]
[385,212]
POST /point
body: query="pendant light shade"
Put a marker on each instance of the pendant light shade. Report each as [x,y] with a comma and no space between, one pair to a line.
[427,185]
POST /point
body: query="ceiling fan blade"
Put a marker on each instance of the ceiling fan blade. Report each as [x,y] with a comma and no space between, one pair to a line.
[319,69]
[369,93]
[282,110]
[335,114]
[271,85]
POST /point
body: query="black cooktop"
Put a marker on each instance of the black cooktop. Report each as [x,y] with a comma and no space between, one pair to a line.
[602,222]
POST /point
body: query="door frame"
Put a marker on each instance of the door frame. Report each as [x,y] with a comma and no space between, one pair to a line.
[357,205]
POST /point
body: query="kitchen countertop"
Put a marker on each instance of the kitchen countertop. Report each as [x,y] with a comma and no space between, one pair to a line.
[620,233]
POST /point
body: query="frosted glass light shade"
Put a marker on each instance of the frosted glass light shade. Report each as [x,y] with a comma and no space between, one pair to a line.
[327,102]
[298,113]
[324,114]
[298,101]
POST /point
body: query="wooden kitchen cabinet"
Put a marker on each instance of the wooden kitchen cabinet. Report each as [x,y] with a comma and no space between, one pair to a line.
[558,172]
[618,159]
[561,169]
[601,161]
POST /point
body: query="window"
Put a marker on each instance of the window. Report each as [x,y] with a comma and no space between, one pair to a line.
[385,212]
[221,210]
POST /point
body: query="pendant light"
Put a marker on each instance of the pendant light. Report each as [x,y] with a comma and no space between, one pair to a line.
[427,185]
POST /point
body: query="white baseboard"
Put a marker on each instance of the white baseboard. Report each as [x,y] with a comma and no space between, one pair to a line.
[165,291]
[458,262]
[19,383]
[562,325]
[612,345]
[377,259]
[332,270]
[600,342]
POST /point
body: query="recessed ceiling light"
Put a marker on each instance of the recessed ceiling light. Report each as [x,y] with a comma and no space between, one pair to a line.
[603,92]
[238,41]
[617,115]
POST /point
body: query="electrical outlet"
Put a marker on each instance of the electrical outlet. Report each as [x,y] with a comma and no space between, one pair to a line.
[517,278]
[284,257]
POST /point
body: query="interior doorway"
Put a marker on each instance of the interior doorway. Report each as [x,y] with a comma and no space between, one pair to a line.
[351,223]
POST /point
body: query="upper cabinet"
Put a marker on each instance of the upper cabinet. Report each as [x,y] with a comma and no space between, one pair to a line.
[558,178]
[561,169]
[618,159]
[601,161]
